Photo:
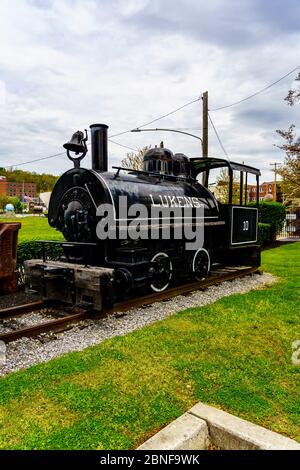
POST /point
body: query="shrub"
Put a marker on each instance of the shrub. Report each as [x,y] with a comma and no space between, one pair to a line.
[273,214]
[34,250]
[15,201]
[264,233]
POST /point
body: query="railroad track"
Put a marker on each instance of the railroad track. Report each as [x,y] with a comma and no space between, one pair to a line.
[57,325]
[217,276]
[54,326]
[21,309]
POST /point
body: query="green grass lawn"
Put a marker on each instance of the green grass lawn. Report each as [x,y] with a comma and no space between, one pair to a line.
[34,228]
[234,354]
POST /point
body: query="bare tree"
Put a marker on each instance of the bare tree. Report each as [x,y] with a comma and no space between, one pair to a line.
[135,160]
[293,95]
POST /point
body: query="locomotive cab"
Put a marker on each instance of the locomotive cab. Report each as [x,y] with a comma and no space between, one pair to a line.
[236,188]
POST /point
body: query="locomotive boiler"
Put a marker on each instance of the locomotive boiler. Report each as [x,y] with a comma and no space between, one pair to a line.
[118,237]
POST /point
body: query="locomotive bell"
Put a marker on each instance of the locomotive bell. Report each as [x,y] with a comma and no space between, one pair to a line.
[76,144]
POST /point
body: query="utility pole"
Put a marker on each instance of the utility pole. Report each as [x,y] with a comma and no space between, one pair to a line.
[275,181]
[205,124]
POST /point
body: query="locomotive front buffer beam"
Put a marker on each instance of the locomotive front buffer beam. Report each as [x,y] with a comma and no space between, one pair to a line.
[75,284]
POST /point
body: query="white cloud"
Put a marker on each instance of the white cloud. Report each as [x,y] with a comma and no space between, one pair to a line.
[66,64]
[131,7]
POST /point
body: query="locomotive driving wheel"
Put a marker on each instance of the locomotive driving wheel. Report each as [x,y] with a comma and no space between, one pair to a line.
[201,264]
[161,271]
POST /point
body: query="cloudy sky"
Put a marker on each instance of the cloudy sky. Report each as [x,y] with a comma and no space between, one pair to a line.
[65,64]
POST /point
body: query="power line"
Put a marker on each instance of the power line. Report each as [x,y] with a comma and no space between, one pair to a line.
[169,114]
[120,133]
[124,146]
[218,137]
[63,153]
[114,135]
[159,118]
[35,160]
[257,92]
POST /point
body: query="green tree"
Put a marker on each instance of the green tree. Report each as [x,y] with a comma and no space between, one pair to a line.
[18,205]
[290,170]
[43,181]
[221,188]
[4,199]
[15,201]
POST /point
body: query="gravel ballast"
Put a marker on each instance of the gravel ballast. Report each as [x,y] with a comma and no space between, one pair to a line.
[26,320]
[26,352]
[19,298]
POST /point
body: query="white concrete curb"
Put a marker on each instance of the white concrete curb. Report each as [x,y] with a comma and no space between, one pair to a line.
[229,432]
[204,425]
[187,432]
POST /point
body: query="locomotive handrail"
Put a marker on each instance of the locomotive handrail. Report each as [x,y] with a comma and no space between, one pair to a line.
[64,243]
[151,173]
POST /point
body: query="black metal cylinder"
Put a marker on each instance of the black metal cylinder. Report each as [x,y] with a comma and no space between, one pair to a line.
[99,147]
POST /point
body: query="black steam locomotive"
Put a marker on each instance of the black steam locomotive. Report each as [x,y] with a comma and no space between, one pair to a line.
[94,271]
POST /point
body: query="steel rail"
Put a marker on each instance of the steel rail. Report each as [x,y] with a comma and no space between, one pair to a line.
[20,309]
[218,276]
[53,326]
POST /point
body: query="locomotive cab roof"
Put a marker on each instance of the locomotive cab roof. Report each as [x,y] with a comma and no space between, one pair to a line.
[201,164]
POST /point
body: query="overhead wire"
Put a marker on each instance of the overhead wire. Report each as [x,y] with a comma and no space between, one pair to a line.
[257,92]
[218,137]
[114,135]
[159,118]
[35,160]
[169,114]
[64,153]
[135,149]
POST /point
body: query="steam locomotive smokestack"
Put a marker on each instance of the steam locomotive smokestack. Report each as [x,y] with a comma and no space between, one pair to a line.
[99,146]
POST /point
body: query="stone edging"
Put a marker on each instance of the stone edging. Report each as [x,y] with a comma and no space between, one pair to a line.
[203,426]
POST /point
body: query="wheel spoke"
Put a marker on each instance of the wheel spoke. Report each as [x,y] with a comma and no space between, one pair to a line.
[201,264]
[161,271]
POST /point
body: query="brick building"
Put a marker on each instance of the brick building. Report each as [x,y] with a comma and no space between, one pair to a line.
[10,188]
[3,185]
[266,188]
